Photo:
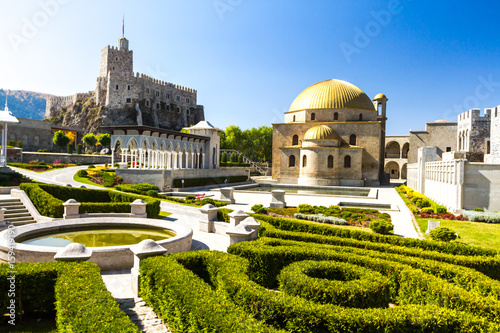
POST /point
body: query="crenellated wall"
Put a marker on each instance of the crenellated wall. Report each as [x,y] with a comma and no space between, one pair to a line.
[473,131]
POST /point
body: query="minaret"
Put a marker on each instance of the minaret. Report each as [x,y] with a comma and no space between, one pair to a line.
[380,103]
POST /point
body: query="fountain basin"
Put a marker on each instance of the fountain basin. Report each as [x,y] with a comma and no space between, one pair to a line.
[107,258]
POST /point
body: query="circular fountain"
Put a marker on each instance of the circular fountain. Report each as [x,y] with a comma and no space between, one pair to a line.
[101,234]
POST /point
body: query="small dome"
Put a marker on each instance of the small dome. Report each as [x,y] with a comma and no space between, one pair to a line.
[321,132]
[440,121]
[380,96]
[332,94]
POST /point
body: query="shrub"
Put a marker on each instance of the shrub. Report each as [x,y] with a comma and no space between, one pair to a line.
[478,210]
[383,227]
[223,215]
[41,163]
[443,234]
[208,201]
[223,158]
[48,199]
[189,182]
[11,143]
[69,148]
[19,144]
[240,158]
[259,209]
[141,188]
[190,198]
[82,173]
[321,219]
[91,166]
[440,209]
[65,287]
[427,210]
[152,193]
[305,208]
[234,157]
[423,202]
[488,217]
[79,148]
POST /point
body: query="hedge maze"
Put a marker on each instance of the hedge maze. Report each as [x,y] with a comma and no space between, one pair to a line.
[301,276]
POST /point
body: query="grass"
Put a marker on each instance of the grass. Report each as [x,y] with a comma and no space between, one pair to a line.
[85,180]
[472,233]
[163,215]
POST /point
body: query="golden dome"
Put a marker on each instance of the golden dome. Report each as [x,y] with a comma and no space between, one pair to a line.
[321,132]
[332,94]
[380,96]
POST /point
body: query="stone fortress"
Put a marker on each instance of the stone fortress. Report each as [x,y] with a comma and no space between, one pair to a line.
[124,98]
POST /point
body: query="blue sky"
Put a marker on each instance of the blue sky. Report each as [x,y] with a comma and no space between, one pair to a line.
[249,59]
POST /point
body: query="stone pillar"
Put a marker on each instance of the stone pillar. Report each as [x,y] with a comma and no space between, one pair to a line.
[197,161]
[203,161]
[145,249]
[176,155]
[278,200]
[112,157]
[192,161]
[240,233]
[73,252]
[71,209]
[208,217]
[236,217]
[227,195]
[149,158]
[3,223]
[138,209]
[139,164]
[252,224]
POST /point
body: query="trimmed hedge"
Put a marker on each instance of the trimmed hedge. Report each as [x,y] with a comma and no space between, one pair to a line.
[336,283]
[189,182]
[82,302]
[141,188]
[282,224]
[212,292]
[49,199]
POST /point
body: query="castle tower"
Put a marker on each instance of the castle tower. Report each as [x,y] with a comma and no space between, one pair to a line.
[380,103]
[117,60]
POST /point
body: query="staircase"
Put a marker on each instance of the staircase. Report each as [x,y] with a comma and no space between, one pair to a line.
[16,213]
[262,167]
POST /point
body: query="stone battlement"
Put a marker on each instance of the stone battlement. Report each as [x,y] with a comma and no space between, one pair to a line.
[474,114]
[58,102]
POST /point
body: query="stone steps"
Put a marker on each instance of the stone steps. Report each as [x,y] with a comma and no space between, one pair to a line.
[16,213]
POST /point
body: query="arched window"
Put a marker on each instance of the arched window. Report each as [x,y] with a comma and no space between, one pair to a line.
[352,140]
[293,118]
[313,116]
[295,140]
[336,116]
[291,161]
[360,117]
[304,161]
[330,161]
[347,161]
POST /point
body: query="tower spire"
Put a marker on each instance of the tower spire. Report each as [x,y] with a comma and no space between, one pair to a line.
[6,105]
[123,26]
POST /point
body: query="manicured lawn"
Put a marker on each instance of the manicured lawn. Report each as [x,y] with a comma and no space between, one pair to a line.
[85,181]
[472,233]
[163,214]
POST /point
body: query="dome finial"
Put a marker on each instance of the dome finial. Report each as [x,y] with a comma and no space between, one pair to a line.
[6,104]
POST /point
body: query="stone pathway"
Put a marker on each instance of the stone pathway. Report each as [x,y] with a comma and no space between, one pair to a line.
[118,283]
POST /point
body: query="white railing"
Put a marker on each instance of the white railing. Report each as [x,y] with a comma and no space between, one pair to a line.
[262,167]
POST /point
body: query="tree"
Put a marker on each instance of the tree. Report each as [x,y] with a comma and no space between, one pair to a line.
[60,139]
[71,136]
[240,158]
[79,148]
[223,158]
[90,140]
[104,139]
[234,157]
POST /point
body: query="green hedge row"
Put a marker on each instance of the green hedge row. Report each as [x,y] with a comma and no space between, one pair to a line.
[409,286]
[321,218]
[141,188]
[74,290]
[49,199]
[329,230]
[212,292]
[189,182]
[331,282]
[186,301]
[488,265]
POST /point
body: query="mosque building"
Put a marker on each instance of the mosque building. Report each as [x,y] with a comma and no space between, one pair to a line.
[333,134]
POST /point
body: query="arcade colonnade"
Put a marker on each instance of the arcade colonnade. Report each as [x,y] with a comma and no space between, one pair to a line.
[148,152]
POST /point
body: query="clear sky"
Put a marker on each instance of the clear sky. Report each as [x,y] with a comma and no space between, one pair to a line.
[249,59]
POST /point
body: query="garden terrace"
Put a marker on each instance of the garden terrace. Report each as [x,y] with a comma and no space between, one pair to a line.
[49,199]
[392,284]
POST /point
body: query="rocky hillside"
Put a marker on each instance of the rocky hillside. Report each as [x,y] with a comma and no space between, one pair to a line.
[25,104]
